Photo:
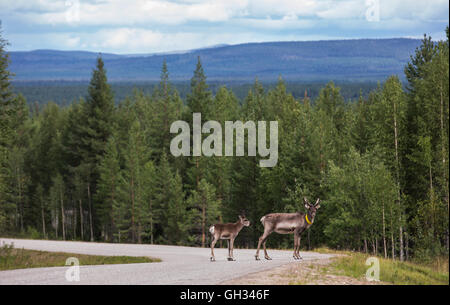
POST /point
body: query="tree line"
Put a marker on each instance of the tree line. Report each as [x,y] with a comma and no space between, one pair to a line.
[63,93]
[98,171]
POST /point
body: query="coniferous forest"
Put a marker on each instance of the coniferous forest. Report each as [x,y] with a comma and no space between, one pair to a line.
[97,171]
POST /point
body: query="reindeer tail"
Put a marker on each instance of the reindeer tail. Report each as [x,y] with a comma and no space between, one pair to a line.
[211,229]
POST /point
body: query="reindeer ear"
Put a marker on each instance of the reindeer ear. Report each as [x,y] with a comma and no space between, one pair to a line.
[307,204]
[317,204]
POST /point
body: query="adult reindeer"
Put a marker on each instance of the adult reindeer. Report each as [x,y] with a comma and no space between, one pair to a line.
[227,231]
[288,223]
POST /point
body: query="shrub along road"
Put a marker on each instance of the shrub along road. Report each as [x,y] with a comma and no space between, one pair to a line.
[180,265]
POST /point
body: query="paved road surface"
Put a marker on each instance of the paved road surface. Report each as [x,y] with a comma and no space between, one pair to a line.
[180,265]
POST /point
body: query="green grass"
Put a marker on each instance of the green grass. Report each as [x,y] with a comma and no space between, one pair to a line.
[11,258]
[393,271]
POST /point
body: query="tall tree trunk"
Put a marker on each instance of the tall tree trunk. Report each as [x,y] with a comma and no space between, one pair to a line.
[43,220]
[406,246]
[384,235]
[203,223]
[56,221]
[74,219]
[19,185]
[397,165]
[133,229]
[373,246]
[444,161]
[90,211]
[151,223]
[392,236]
[81,220]
[62,215]
[376,245]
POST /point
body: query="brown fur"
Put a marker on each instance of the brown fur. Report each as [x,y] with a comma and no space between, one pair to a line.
[287,223]
[227,231]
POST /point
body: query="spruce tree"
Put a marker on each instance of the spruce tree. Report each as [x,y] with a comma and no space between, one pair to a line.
[7,111]
[99,109]
[109,171]
[204,211]
[7,98]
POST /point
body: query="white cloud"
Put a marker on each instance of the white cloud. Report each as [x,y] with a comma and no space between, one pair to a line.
[416,10]
[141,12]
[289,21]
[352,9]
[130,26]
[125,12]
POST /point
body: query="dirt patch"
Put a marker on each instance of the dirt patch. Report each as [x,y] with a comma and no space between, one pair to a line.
[311,272]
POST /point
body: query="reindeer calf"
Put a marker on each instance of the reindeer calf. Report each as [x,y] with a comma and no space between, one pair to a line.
[227,231]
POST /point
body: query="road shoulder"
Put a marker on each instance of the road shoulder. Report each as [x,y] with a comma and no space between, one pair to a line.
[305,272]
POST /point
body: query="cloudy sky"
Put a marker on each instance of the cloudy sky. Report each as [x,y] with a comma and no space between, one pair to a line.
[148,26]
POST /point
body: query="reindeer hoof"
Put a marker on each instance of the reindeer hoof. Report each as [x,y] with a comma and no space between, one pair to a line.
[257,258]
[212,259]
[231,259]
[268,258]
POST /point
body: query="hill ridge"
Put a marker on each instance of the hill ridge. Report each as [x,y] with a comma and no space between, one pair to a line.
[350,59]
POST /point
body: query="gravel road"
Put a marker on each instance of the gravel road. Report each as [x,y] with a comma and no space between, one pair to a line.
[180,265]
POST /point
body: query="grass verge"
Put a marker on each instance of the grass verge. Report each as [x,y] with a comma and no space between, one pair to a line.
[11,258]
[394,271]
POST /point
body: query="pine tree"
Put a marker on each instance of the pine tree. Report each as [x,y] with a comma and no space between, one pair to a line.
[7,98]
[178,221]
[204,210]
[135,156]
[98,110]
[109,170]
[7,113]
[57,194]
[43,204]
[163,195]
[164,108]
[200,99]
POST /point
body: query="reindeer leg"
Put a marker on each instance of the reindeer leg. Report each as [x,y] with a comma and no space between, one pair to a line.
[266,256]
[231,243]
[295,245]
[298,250]
[257,249]
[213,243]
[262,240]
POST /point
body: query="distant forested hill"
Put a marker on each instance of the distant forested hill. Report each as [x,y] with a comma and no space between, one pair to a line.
[349,60]
[65,92]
